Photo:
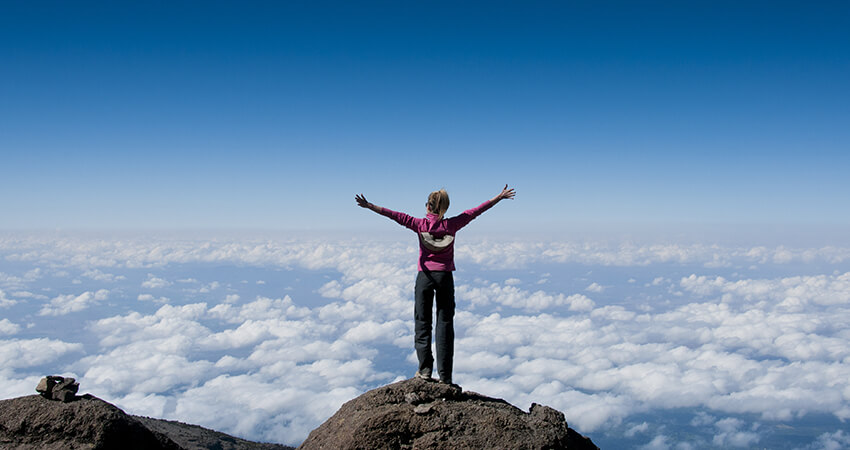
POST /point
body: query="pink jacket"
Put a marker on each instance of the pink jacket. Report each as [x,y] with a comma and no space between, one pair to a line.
[436,237]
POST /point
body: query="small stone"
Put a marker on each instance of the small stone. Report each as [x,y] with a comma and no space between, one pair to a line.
[44,386]
[423,409]
[68,384]
[412,398]
[47,384]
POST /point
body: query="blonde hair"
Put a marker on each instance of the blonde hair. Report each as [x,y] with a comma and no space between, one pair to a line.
[438,202]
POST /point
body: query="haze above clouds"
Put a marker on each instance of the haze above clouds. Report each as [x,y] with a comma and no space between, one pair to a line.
[740,341]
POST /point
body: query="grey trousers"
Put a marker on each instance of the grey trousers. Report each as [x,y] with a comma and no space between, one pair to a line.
[427,284]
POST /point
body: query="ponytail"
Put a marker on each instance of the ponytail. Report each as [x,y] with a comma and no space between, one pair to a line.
[438,202]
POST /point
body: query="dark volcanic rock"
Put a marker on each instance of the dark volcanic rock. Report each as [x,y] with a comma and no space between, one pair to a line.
[87,422]
[419,414]
[54,387]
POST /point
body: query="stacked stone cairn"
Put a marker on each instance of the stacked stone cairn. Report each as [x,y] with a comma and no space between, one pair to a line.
[58,388]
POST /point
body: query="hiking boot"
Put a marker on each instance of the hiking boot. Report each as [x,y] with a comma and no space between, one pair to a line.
[425,374]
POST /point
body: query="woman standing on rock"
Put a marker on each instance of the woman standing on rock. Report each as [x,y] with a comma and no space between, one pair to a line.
[436,263]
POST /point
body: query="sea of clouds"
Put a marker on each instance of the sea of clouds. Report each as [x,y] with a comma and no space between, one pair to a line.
[654,344]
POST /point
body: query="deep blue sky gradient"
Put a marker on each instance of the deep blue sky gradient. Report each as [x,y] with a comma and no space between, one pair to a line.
[274,114]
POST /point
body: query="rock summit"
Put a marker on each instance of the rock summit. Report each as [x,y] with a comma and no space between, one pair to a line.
[421,414]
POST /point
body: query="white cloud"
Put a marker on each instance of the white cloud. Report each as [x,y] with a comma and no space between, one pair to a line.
[483,363]
[511,296]
[594,287]
[27,294]
[248,333]
[207,288]
[6,302]
[16,282]
[178,323]
[263,308]
[97,275]
[66,304]
[782,256]
[579,302]
[151,298]
[837,440]
[143,367]
[13,386]
[642,427]
[657,281]
[324,253]
[8,327]
[369,331]
[154,282]
[344,311]
[618,313]
[659,442]
[283,412]
[11,281]
[23,353]
[792,293]
[729,434]
[149,405]
[331,289]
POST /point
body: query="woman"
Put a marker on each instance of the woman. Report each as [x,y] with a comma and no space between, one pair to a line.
[436,263]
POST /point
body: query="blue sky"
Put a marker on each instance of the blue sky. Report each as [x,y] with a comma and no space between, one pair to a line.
[273,115]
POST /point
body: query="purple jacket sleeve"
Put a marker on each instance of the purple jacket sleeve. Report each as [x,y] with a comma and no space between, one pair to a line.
[461,220]
[402,219]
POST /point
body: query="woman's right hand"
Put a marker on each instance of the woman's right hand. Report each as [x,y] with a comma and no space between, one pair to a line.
[361,201]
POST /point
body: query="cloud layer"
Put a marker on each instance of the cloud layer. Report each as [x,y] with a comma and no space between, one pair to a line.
[602,332]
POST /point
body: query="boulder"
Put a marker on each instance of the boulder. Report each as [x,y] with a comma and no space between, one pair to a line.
[422,414]
[58,388]
[36,423]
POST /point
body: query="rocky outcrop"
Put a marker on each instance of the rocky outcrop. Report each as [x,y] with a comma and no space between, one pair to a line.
[58,388]
[422,414]
[87,422]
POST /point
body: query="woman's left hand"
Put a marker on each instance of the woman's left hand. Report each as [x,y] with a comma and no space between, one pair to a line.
[507,193]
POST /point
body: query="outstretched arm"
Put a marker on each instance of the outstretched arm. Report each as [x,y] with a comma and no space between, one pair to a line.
[363,203]
[461,220]
[401,218]
[506,193]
